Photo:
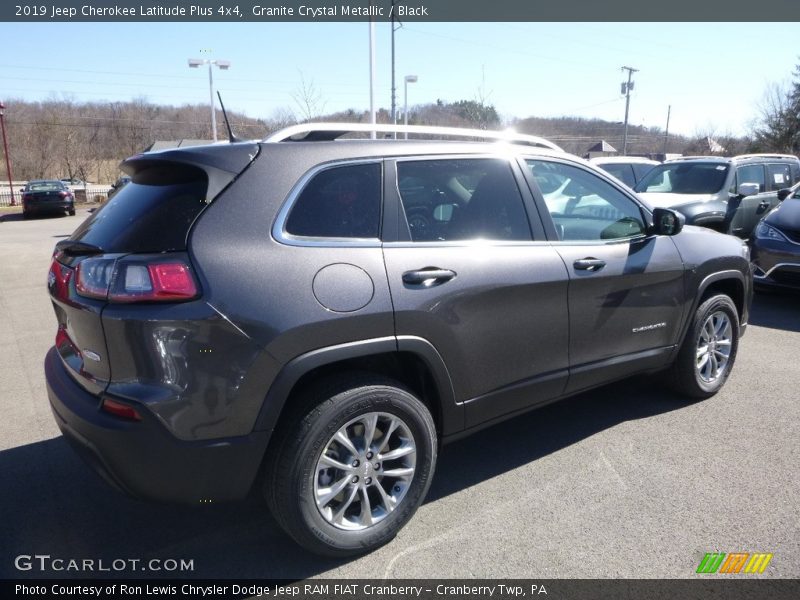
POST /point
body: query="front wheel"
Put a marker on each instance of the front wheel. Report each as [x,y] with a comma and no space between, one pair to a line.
[708,352]
[350,471]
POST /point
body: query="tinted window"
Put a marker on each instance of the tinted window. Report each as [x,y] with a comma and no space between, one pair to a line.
[146,218]
[751,174]
[583,206]
[461,199]
[779,176]
[622,172]
[641,169]
[685,178]
[340,202]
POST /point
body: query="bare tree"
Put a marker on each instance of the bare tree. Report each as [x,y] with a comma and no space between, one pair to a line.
[308,99]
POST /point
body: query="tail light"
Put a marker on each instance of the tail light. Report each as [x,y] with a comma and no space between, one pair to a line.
[64,194]
[136,280]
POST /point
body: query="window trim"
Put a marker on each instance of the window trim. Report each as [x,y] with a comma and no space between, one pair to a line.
[547,219]
[282,236]
[537,232]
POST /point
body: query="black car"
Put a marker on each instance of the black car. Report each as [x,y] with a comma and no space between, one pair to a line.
[47,196]
[328,313]
[776,244]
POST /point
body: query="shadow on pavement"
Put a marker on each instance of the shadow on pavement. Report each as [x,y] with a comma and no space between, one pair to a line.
[54,504]
[776,310]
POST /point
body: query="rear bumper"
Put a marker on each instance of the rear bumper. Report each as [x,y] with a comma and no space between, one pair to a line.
[142,458]
[46,207]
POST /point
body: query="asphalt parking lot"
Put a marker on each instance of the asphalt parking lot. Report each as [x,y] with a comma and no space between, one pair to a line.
[625,481]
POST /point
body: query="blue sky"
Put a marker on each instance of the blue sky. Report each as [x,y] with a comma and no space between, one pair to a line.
[713,75]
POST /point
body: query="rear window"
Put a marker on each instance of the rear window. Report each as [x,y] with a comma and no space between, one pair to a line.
[147,218]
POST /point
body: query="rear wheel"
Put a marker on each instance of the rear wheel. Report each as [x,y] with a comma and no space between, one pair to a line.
[708,352]
[71,212]
[349,471]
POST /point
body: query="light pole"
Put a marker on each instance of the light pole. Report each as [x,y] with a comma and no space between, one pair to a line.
[5,149]
[194,63]
[408,79]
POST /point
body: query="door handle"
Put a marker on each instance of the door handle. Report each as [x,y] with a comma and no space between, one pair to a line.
[763,205]
[428,276]
[589,264]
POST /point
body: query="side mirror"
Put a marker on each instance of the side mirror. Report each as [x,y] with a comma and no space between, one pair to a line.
[747,189]
[784,193]
[667,221]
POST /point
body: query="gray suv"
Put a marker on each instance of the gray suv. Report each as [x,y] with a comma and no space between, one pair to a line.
[319,315]
[730,195]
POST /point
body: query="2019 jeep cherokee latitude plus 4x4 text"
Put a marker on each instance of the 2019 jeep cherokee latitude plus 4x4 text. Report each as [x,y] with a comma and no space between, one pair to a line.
[328,312]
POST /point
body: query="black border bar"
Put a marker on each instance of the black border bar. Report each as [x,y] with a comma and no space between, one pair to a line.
[735,587]
[320,11]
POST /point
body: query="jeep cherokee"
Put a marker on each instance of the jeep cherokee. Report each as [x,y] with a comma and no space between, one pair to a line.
[325,313]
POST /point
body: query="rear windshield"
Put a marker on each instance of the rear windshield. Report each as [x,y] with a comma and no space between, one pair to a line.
[685,178]
[46,186]
[146,218]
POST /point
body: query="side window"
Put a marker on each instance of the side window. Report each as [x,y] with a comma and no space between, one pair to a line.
[340,202]
[583,206]
[622,172]
[461,199]
[795,169]
[779,176]
[751,174]
[640,170]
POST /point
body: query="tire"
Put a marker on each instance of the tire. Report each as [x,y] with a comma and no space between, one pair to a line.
[71,212]
[701,375]
[26,215]
[301,486]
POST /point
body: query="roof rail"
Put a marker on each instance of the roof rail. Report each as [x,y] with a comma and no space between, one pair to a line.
[766,155]
[698,157]
[316,132]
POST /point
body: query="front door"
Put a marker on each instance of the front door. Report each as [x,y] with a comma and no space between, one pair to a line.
[626,287]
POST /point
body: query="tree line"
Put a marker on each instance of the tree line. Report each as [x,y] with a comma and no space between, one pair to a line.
[63,138]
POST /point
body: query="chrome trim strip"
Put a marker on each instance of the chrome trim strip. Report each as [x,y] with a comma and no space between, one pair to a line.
[774,267]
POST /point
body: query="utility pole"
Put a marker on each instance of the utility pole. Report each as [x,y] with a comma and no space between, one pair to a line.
[372,73]
[626,89]
[5,148]
[666,131]
[395,24]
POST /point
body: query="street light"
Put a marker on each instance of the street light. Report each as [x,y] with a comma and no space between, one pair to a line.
[194,63]
[5,148]
[408,79]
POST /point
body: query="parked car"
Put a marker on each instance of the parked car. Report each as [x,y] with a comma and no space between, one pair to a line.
[776,244]
[118,185]
[46,196]
[730,195]
[628,169]
[273,308]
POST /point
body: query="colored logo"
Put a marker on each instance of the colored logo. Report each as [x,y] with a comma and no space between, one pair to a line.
[735,562]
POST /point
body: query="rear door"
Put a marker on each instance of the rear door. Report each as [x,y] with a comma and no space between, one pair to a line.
[626,287]
[472,275]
